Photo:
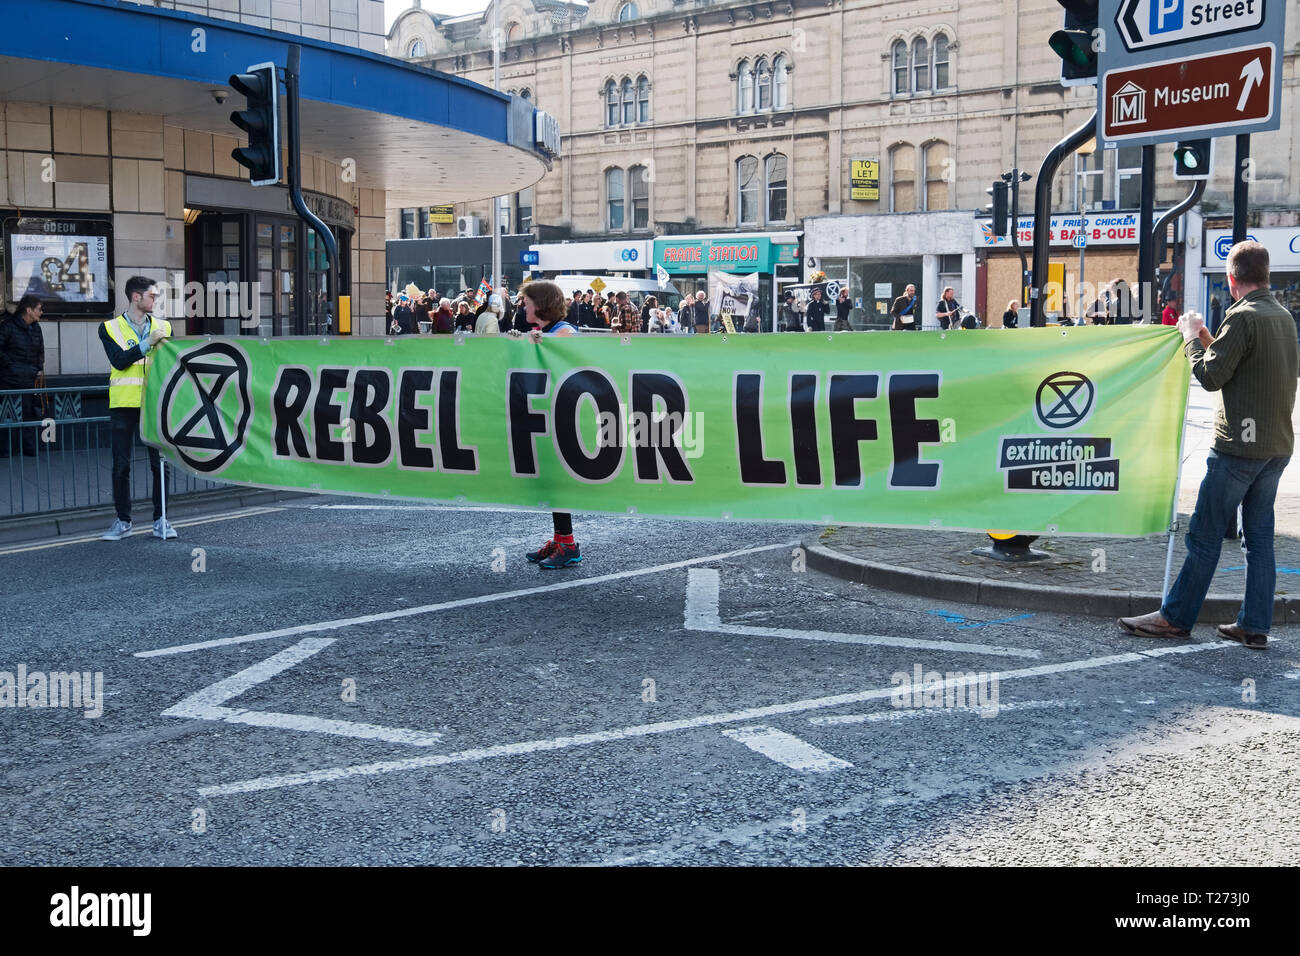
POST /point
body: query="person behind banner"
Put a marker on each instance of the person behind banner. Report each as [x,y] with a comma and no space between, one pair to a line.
[1254,361]
[545,311]
[790,320]
[843,306]
[948,311]
[904,311]
[1011,317]
[701,313]
[128,340]
[818,308]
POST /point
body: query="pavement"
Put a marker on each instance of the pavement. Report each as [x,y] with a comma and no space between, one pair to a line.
[1102,576]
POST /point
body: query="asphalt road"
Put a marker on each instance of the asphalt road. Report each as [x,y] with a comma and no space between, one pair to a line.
[373,684]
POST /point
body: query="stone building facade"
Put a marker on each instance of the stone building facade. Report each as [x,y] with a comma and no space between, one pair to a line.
[707,115]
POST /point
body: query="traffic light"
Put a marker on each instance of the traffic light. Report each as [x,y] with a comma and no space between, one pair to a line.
[261,121]
[1077,43]
[999,207]
[1193,159]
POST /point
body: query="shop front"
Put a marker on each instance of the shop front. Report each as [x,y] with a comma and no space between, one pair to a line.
[1085,255]
[450,265]
[773,256]
[1283,245]
[630,258]
[878,257]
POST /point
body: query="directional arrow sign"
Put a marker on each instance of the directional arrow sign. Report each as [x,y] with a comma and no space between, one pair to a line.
[1144,24]
[1230,90]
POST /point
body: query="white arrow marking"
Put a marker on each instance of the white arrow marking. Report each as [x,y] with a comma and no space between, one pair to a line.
[786,748]
[206,704]
[702,615]
[1252,73]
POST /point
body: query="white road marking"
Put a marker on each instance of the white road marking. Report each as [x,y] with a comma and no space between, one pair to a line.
[206,704]
[330,774]
[702,615]
[786,749]
[449,605]
[911,712]
[141,531]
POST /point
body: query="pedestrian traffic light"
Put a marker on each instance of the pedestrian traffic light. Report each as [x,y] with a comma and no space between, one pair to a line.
[999,207]
[1077,43]
[1193,158]
[261,121]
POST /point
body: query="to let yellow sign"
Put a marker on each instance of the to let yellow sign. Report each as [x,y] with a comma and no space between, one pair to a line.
[442,214]
[864,180]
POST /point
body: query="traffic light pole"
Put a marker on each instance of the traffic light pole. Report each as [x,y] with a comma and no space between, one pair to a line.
[292,67]
[1146,260]
[1240,189]
[1162,224]
[1015,233]
[1043,212]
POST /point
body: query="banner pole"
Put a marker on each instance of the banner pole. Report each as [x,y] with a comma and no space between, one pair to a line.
[1178,490]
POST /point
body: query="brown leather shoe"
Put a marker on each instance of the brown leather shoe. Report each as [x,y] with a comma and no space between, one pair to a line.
[1152,625]
[1232,632]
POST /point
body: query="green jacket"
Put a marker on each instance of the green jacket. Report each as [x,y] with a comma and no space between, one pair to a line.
[1253,361]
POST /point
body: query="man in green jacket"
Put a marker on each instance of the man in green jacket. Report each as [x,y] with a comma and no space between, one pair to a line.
[1253,361]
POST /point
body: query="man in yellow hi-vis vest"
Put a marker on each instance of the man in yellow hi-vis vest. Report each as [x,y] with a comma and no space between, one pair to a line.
[127,340]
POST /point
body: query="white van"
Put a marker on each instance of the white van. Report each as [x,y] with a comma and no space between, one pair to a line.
[637,289]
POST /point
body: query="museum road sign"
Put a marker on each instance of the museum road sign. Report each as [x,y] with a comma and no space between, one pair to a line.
[1231,91]
[1180,69]
[1144,24]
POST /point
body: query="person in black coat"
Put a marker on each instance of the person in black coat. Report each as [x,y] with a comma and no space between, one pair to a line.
[22,358]
[843,306]
[817,311]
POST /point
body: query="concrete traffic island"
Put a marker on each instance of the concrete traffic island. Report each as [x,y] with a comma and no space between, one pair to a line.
[1105,577]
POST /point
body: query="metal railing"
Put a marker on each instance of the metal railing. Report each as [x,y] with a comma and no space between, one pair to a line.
[71,460]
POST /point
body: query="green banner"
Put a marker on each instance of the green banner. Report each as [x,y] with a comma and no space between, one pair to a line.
[1070,431]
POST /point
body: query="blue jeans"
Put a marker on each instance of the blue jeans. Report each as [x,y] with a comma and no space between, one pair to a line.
[1230,481]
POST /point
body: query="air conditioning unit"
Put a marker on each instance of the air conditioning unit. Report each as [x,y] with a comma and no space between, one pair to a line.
[469,226]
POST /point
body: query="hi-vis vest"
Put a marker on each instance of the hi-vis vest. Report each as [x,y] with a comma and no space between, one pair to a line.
[126,386]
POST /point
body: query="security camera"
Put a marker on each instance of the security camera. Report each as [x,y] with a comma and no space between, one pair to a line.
[220,96]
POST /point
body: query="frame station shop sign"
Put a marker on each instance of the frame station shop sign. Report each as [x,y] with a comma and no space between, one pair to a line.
[728,253]
[1098,229]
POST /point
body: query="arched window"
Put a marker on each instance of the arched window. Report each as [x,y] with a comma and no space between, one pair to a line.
[941,61]
[611,104]
[747,190]
[781,82]
[900,67]
[626,12]
[938,173]
[629,103]
[774,169]
[614,199]
[762,84]
[514,32]
[920,65]
[417,49]
[639,180]
[902,178]
[642,99]
[744,88]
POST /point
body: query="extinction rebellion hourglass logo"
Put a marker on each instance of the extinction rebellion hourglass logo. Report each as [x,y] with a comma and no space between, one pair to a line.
[1079,464]
[205,408]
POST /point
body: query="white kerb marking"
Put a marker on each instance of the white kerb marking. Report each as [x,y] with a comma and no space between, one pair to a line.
[702,615]
[206,704]
[786,749]
[329,774]
[449,605]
